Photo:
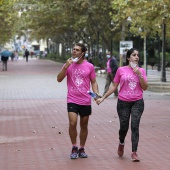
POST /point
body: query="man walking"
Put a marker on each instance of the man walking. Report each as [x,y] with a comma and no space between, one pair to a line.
[26,55]
[80,74]
[4,62]
[111,71]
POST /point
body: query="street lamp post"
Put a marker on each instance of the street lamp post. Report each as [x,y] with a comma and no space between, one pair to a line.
[163,78]
[129,19]
[159,57]
[111,36]
[144,52]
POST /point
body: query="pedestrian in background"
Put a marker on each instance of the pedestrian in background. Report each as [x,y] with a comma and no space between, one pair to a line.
[89,58]
[16,55]
[26,55]
[5,54]
[4,60]
[100,57]
[12,56]
[80,74]
[111,69]
[31,53]
[133,81]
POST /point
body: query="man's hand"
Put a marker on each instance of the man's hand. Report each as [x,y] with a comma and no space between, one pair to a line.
[99,100]
[68,63]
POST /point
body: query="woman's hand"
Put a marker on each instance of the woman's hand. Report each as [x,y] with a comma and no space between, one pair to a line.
[137,71]
[98,101]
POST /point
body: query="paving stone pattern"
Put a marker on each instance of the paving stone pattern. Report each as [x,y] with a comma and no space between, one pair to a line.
[34,125]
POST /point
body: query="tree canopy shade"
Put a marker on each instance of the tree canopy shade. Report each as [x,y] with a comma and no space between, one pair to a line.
[146,16]
[78,19]
[8,19]
[1,1]
[93,21]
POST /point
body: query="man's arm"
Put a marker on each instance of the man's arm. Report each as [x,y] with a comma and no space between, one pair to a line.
[62,73]
[94,86]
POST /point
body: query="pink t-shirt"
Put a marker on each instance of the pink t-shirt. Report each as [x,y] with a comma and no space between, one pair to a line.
[78,82]
[130,89]
[108,66]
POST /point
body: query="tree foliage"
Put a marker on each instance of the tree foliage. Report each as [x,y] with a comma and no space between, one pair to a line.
[146,16]
[93,21]
[8,19]
[71,20]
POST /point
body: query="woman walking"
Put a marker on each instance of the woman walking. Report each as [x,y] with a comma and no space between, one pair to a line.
[133,82]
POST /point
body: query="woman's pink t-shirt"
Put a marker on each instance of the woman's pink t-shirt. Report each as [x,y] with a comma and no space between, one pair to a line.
[130,89]
[79,77]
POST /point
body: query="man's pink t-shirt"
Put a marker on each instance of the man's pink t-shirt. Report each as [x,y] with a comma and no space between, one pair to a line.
[130,89]
[78,82]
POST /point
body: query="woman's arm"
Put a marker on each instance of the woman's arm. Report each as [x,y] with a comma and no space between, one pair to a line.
[112,88]
[143,83]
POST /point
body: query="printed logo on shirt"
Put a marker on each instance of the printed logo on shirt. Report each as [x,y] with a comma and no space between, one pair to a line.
[78,77]
[132,81]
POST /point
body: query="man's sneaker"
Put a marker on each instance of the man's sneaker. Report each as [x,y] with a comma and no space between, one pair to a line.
[82,153]
[120,150]
[74,153]
[134,157]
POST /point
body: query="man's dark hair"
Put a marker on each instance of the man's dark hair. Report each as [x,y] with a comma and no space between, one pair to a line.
[83,48]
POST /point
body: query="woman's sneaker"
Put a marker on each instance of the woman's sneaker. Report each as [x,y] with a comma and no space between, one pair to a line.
[74,153]
[120,150]
[134,157]
[82,153]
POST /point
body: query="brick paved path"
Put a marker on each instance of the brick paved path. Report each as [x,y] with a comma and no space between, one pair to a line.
[34,125]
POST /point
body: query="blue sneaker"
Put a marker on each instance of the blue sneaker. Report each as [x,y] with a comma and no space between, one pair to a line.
[74,153]
[82,154]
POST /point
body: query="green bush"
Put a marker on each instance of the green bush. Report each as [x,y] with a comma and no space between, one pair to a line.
[55,57]
[167,56]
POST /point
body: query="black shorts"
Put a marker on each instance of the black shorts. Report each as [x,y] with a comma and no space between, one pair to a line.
[82,110]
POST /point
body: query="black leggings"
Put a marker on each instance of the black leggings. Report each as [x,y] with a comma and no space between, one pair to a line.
[125,109]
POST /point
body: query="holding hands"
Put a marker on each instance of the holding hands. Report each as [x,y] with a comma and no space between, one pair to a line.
[99,100]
